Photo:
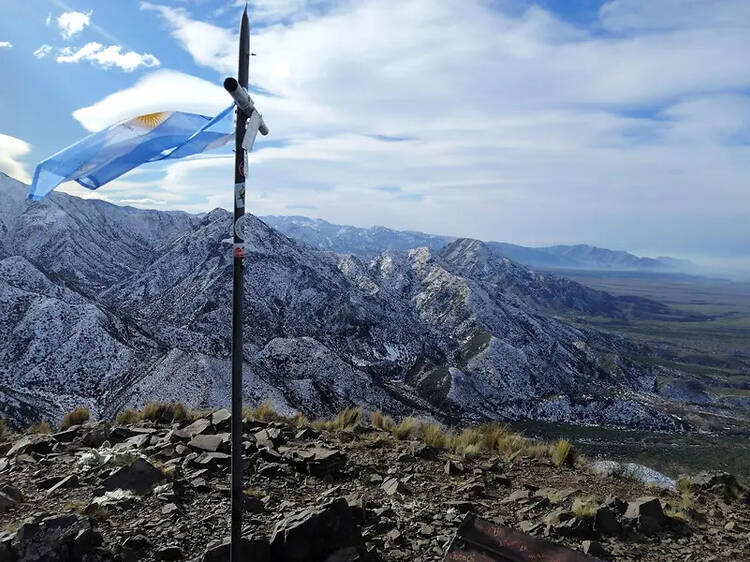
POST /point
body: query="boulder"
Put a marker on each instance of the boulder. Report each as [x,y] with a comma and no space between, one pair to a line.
[210,443]
[221,419]
[254,549]
[605,521]
[12,492]
[316,533]
[593,548]
[68,435]
[317,461]
[36,443]
[52,539]
[136,442]
[393,486]
[140,477]
[169,553]
[212,461]
[270,437]
[6,502]
[195,428]
[453,468]
[721,483]
[647,514]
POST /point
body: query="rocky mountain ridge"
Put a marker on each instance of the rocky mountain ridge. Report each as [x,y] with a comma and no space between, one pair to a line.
[369,242]
[109,307]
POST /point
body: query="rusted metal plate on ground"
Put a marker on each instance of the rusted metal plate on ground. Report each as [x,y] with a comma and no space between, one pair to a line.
[478,540]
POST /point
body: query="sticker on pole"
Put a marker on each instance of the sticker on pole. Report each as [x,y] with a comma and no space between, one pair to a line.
[253,124]
[239,251]
[239,195]
[242,226]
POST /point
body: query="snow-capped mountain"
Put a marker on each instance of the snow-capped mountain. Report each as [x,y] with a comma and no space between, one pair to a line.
[110,306]
[369,242]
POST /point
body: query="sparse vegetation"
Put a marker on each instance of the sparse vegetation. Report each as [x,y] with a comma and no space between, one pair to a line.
[344,420]
[263,412]
[562,453]
[165,412]
[127,417]
[2,427]
[677,514]
[585,508]
[435,436]
[407,428]
[379,420]
[41,427]
[76,417]
[254,493]
[299,420]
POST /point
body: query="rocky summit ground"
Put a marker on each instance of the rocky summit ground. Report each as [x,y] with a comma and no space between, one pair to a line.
[160,491]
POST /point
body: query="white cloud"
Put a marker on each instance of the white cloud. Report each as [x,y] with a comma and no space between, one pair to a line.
[43,51]
[6,45]
[11,149]
[208,44]
[159,91]
[107,57]
[72,23]
[514,125]
[48,21]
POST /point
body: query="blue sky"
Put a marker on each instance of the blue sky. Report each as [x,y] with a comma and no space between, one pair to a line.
[621,123]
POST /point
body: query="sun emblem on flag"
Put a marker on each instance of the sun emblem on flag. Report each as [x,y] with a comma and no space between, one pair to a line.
[150,120]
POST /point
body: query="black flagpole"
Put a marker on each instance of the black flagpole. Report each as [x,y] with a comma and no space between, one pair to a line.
[238,253]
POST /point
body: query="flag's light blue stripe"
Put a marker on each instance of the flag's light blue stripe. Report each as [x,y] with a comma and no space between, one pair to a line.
[101,157]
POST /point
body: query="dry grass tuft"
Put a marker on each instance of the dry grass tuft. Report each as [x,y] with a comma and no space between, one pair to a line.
[164,412]
[254,493]
[379,420]
[299,420]
[347,419]
[344,420]
[263,412]
[562,453]
[2,426]
[128,417]
[469,442]
[677,514]
[42,427]
[407,428]
[435,436]
[584,508]
[76,417]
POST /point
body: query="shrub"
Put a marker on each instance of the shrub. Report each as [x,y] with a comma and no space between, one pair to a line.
[406,429]
[76,417]
[128,417]
[562,453]
[434,436]
[164,412]
[42,427]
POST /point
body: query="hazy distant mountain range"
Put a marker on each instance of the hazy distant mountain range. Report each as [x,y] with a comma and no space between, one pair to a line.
[368,242]
[110,306]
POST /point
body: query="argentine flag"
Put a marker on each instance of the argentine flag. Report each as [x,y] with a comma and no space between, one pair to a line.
[108,154]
